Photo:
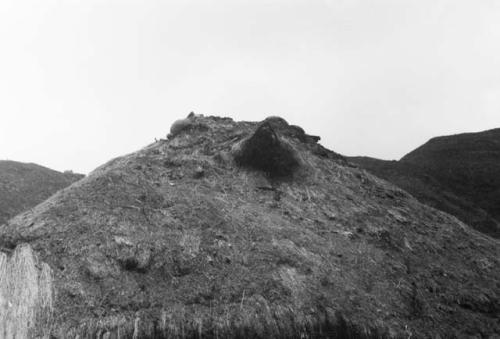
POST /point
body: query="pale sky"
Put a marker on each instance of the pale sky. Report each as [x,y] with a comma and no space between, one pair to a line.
[84,81]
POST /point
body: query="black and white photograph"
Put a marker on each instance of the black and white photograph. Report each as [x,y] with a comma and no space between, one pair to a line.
[219,169]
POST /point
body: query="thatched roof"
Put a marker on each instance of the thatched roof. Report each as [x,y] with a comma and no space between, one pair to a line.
[189,237]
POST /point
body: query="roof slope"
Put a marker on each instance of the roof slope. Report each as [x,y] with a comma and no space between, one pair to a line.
[23,186]
[190,236]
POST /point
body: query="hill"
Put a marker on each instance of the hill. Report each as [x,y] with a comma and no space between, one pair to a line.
[429,188]
[22,186]
[467,164]
[241,229]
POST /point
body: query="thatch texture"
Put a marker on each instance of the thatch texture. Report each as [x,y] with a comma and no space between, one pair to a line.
[25,295]
[144,247]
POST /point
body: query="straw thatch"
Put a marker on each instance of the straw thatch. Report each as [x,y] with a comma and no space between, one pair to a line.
[25,295]
[144,247]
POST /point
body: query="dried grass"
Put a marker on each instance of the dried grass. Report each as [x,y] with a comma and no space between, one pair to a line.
[25,295]
[237,254]
[180,322]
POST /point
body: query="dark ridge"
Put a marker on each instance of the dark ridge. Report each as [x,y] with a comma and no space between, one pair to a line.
[457,174]
[265,151]
[25,185]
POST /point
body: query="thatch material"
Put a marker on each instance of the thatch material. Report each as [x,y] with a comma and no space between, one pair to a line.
[238,323]
[192,122]
[25,295]
[266,151]
[145,248]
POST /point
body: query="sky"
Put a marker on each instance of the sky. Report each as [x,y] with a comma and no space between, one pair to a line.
[84,81]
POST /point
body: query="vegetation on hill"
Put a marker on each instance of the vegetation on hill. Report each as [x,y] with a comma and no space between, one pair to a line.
[194,236]
[22,186]
[466,164]
[429,189]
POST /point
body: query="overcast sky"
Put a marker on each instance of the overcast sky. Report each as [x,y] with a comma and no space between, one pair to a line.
[84,81]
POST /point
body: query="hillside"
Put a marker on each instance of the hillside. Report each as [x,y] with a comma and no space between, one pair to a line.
[23,186]
[467,164]
[242,229]
[430,189]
